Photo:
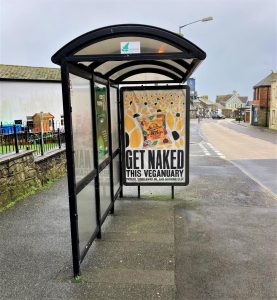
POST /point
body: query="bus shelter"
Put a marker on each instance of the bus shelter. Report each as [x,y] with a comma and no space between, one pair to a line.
[126,114]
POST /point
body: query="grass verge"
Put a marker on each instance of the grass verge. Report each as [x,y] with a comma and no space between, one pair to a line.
[33,190]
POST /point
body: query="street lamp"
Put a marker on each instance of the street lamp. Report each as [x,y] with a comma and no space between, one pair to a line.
[202,20]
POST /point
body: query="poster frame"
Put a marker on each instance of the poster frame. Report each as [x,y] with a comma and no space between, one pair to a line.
[187,132]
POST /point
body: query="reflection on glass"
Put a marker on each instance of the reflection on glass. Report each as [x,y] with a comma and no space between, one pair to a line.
[116,172]
[82,125]
[102,121]
[114,118]
[86,214]
[105,192]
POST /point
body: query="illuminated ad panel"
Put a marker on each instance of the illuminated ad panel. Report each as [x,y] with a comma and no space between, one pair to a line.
[155,135]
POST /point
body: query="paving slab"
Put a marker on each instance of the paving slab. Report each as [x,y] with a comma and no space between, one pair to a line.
[127,254]
[107,290]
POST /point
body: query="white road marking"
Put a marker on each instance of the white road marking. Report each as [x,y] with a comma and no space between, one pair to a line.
[205,150]
[216,151]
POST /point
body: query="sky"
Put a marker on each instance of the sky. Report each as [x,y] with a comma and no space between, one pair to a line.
[241,41]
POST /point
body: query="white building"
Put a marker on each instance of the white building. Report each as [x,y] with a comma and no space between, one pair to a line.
[25,91]
[234,102]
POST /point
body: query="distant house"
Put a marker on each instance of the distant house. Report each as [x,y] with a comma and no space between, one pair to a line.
[208,107]
[231,103]
[235,102]
[43,121]
[203,107]
[247,112]
[219,108]
[25,91]
[261,109]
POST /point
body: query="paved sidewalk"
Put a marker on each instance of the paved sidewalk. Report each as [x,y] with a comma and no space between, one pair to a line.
[216,240]
[241,123]
[258,128]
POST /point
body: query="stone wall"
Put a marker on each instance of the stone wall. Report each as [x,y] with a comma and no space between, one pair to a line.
[21,173]
[51,166]
[263,117]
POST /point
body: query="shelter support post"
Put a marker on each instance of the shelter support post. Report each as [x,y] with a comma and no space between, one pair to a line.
[120,122]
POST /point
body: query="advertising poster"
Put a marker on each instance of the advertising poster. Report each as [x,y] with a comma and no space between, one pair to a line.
[155,135]
[102,121]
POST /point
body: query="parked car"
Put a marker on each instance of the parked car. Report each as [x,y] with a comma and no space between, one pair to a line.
[217,116]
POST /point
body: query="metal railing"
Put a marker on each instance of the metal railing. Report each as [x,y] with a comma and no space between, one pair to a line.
[14,141]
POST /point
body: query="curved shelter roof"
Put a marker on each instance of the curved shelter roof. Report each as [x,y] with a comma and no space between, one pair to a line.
[162,56]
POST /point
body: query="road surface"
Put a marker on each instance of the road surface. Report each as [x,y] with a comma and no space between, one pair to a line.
[252,149]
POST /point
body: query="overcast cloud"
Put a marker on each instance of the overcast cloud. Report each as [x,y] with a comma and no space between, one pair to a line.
[240,43]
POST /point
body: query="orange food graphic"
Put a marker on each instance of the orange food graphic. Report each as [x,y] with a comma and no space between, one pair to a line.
[129,123]
[170,120]
[154,119]
[154,130]
[135,138]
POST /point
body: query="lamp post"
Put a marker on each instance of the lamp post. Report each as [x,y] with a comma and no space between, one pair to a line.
[201,20]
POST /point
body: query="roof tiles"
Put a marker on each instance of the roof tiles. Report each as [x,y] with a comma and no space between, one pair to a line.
[267,80]
[14,72]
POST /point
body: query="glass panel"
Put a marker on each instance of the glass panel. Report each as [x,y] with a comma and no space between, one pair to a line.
[113,46]
[147,77]
[175,64]
[107,66]
[138,67]
[86,63]
[105,191]
[102,121]
[82,125]
[116,172]
[86,214]
[114,118]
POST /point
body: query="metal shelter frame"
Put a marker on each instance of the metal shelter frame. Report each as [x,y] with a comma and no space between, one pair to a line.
[164,58]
